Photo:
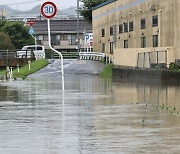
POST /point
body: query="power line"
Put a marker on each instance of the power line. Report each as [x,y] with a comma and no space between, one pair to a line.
[22,3]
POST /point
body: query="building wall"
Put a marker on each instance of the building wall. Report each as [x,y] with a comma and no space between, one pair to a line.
[61,41]
[126,11]
[63,33]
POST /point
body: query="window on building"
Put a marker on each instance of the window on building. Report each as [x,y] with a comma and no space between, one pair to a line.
[120,28]
[54,40]
[155,21]
[103,32]
[125,27]
[143,23]
[125,43]
[131,26]
[111,47]
[155,40]
[143,42]
[41,37]
[103,47]
[72,39]
[111,30]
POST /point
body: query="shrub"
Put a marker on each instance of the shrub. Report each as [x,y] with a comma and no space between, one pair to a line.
[174,66]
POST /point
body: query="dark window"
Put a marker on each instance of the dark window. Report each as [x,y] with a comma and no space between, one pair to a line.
[155,21]
[125,43]
[103,47]
[120,28]
[155,40]
[125,27]
[143,42]
[111,30]
[35,48]
[111,47]
[131,27]
[103,32]
[143,23]
[54,40]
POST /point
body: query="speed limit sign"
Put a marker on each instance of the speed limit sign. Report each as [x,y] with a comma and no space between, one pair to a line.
[48,9]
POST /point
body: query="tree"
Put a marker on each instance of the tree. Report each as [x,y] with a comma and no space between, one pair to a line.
[5,42]
[17,32]
[86,10]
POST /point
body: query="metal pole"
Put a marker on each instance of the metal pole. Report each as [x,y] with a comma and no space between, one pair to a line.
[78,26]
[7,64]
[34,41]
[49,38]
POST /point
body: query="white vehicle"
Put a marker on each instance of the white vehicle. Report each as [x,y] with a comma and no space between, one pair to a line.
[29,51]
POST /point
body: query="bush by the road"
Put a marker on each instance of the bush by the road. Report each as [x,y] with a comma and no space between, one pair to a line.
[5,42]
[17,33]
[174,67]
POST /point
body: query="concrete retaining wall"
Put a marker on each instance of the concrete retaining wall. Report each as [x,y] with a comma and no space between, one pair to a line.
[145,73]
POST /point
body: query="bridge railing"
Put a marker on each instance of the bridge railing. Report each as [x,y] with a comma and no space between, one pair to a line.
[91,55]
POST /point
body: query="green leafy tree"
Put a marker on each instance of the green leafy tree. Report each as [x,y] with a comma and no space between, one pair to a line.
[17,32]
[86,10]
[5,42]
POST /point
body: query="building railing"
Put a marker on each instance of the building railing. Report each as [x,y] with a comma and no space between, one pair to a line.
[67,42]
[156,59]
[91,55]
[7,54]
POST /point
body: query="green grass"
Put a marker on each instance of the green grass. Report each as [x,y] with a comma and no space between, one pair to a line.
[107,71]
[24,71]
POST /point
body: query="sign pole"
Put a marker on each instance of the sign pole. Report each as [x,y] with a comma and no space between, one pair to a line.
[48,10]
[35,41]
[49,38]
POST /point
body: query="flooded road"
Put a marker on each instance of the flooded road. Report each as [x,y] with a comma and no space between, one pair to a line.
[92,115]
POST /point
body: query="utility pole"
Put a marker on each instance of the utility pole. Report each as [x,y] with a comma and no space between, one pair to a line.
[78,43]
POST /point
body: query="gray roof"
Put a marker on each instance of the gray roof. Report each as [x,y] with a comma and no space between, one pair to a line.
[61,25]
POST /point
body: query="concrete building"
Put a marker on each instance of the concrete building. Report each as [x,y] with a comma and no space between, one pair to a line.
[138,33]
[3,14]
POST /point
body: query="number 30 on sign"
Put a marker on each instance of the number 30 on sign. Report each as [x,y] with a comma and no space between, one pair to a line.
[48,9]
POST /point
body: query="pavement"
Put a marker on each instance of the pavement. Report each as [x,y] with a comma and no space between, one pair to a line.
[71,66]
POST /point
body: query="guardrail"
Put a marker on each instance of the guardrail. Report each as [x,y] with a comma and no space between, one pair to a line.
[91,55]
[10,58]
[16,54]
[7,53]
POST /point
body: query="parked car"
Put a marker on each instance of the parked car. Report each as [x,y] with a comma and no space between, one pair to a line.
[29,51]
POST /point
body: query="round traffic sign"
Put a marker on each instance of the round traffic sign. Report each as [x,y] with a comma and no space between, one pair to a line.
[31,22]
[48,9]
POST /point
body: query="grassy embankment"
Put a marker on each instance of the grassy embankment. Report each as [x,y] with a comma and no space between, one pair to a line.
[107,71]
[24,71]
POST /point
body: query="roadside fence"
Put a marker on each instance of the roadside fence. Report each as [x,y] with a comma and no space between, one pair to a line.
[156,59]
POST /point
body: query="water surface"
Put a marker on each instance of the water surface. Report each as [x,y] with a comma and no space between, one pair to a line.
[91,116]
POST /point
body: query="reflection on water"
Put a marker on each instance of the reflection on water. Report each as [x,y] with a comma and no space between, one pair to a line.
[148,91]
[94,116]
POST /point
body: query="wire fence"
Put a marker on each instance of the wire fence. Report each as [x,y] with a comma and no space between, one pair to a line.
[156,59]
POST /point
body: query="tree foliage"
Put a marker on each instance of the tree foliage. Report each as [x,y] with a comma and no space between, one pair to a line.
[18,33]
[5,42]
[86,10]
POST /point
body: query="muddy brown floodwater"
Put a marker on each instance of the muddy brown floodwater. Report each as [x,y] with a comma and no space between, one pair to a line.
[92,116]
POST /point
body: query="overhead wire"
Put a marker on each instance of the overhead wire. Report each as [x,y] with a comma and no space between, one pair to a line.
[22,3]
